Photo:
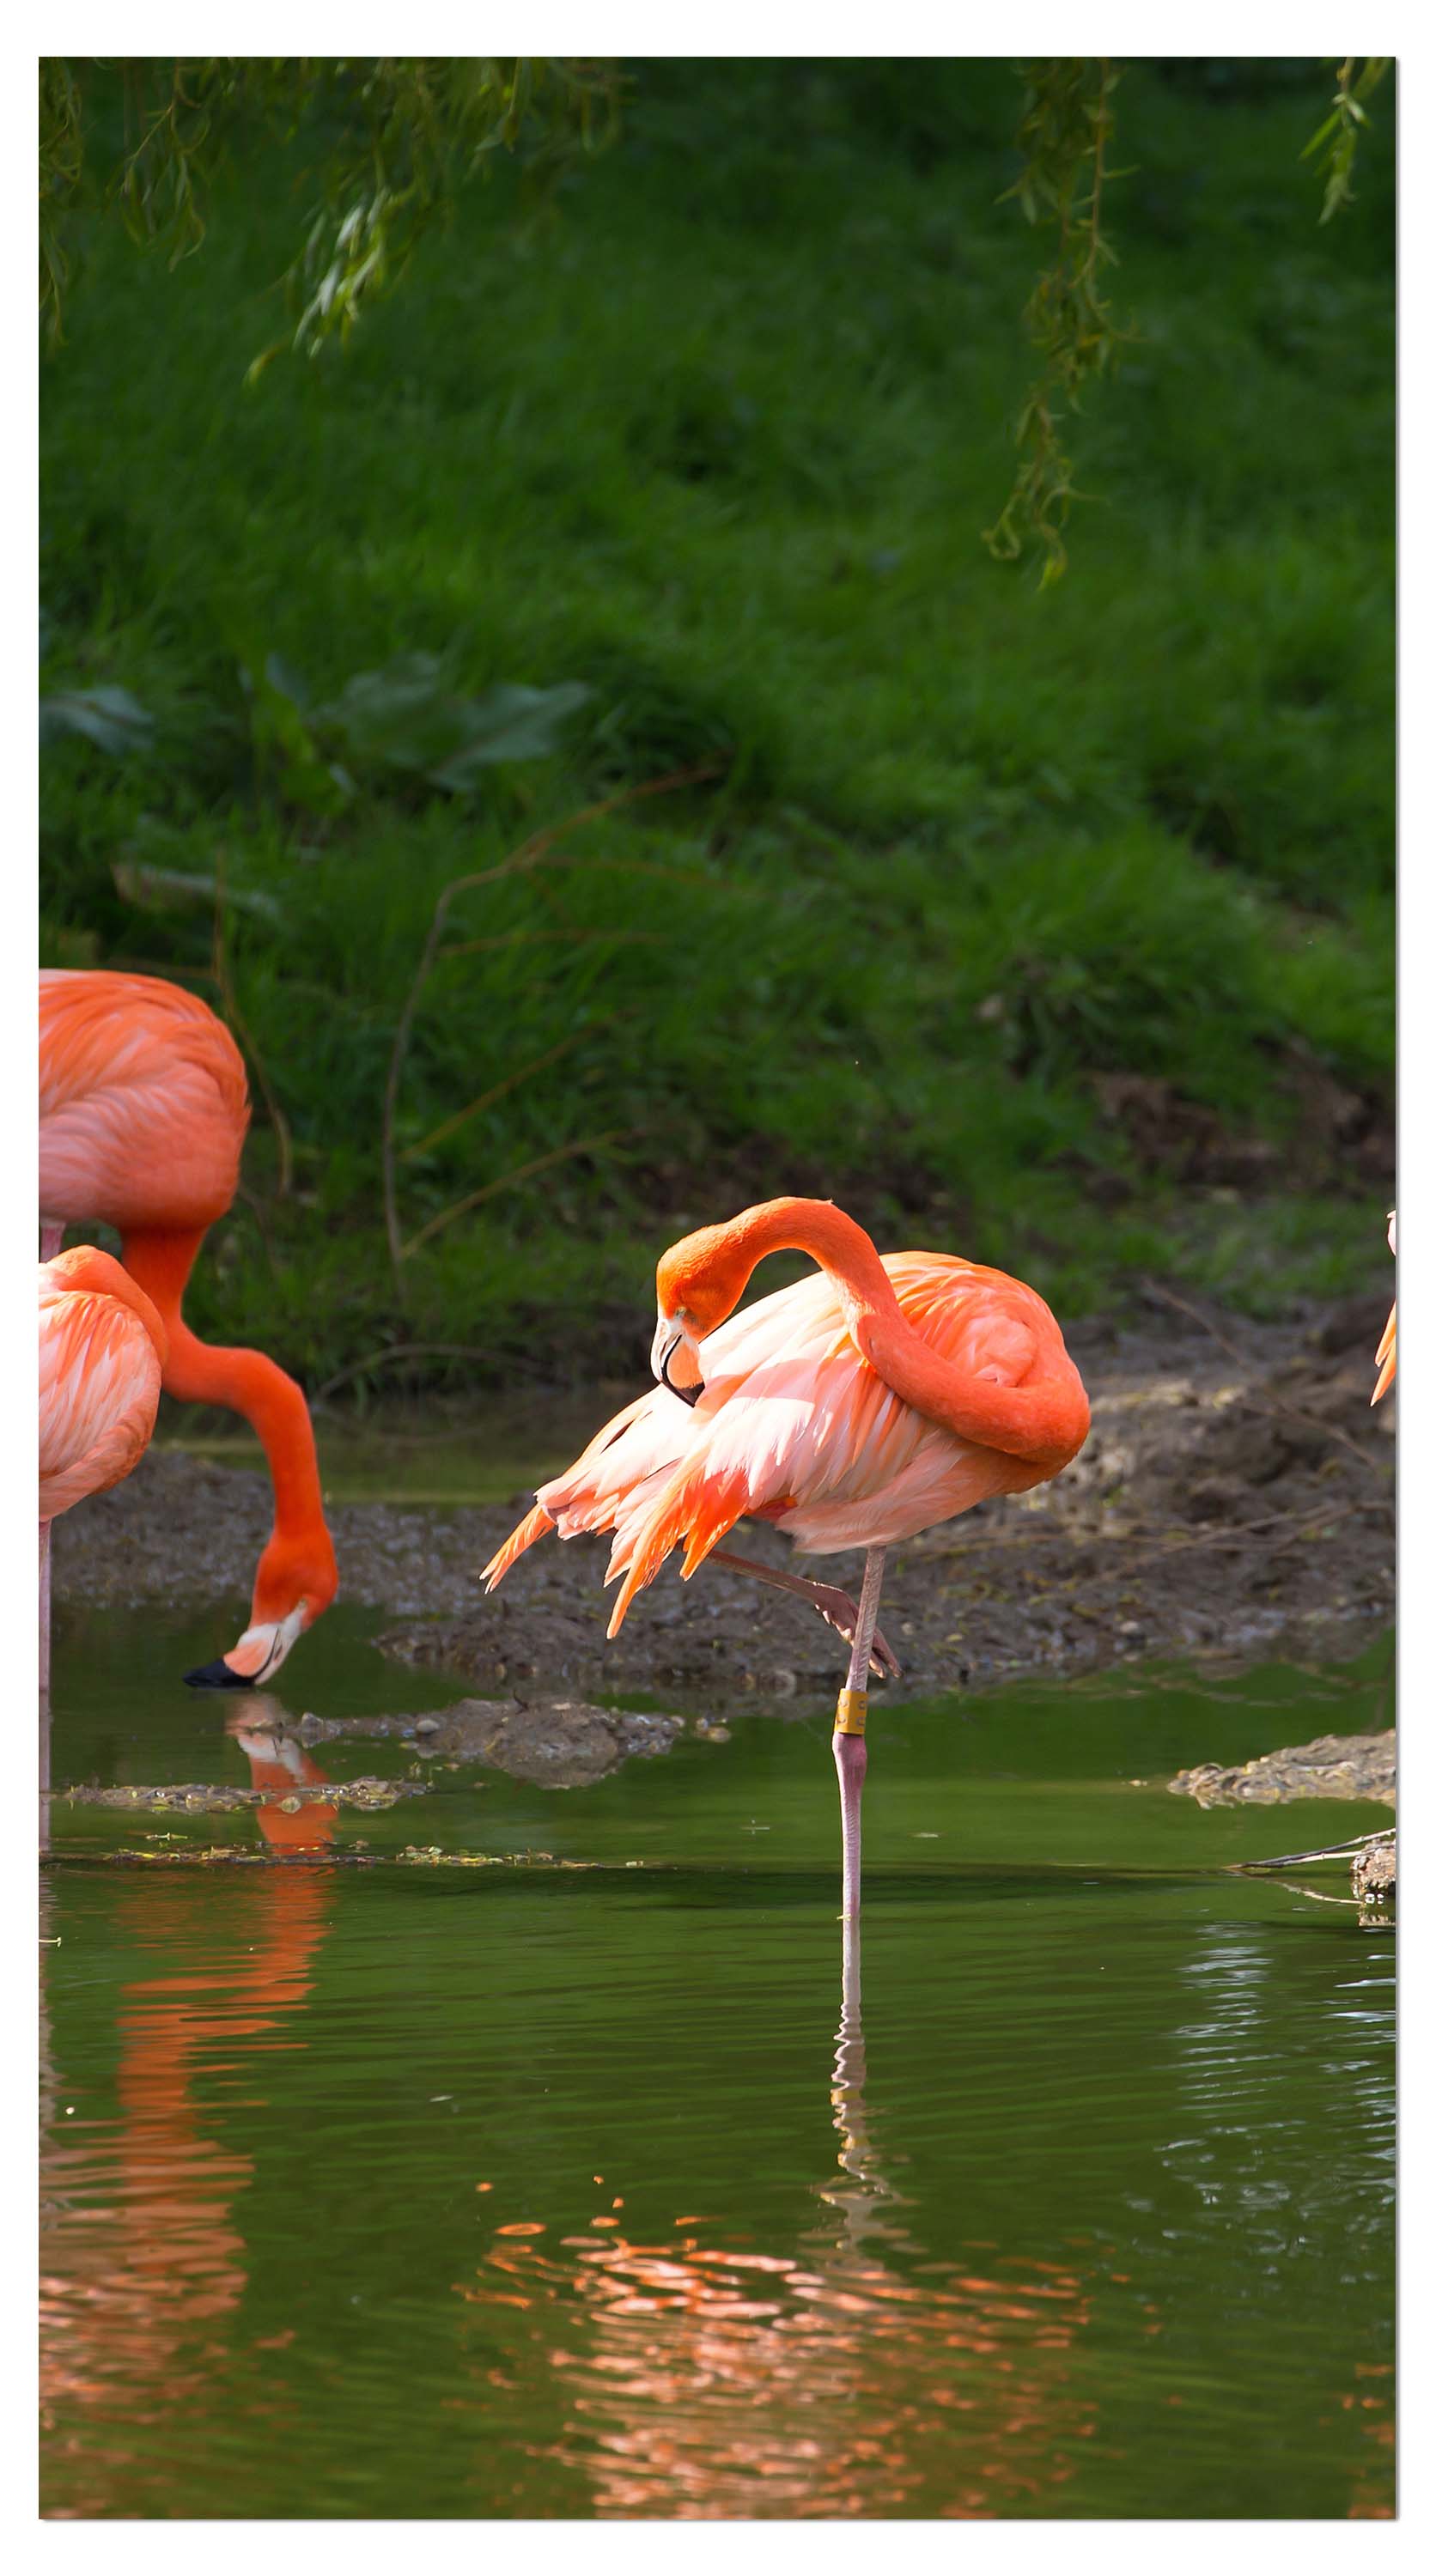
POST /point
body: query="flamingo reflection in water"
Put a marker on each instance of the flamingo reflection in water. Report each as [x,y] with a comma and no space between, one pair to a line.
[141,2259]
[850,2377]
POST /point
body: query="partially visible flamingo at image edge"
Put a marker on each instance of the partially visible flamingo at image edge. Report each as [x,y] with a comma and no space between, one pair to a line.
[102,1350]
[1386,1347]
[143,1112]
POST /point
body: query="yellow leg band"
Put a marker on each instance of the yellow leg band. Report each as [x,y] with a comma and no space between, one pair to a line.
[852,1716]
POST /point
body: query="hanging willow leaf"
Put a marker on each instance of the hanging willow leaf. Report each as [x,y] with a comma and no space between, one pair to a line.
[1340,130]
[404,134]
[1065,137]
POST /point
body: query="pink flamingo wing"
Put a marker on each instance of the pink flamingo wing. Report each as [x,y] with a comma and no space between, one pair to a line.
[99,1390]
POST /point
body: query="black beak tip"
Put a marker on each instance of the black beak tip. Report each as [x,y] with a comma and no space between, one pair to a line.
[685,1394]
[217,1676]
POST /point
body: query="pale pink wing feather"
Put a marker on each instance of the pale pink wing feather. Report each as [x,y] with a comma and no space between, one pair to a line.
[99,1388]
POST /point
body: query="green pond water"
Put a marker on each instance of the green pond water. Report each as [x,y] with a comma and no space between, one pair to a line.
[570,2185]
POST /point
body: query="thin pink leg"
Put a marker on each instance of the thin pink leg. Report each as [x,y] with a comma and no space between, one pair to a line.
[850,1749]
[44,1768]
[51,1238]
[44,1609]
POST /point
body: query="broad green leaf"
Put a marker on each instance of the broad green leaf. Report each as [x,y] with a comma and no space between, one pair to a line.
[156,889]
[110,718]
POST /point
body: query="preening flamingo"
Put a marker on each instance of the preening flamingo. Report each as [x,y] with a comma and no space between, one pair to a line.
[1386,1347]
[143,1111]
[102,1349]
[853,1409]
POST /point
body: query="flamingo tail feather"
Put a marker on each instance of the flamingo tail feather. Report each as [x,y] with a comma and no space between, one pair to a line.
[533,1526]
[1386,1357]
[697,1506]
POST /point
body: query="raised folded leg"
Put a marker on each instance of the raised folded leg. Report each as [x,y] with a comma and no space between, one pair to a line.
[838,1608]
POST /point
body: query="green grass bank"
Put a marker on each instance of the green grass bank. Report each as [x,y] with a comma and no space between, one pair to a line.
[1056,929]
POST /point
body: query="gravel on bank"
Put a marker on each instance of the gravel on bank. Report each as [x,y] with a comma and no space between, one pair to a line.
[1236,1494]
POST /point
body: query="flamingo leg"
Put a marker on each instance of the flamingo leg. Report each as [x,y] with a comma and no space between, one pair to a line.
[44,1609]
[850,1750]
[51,1238]
[838,1608]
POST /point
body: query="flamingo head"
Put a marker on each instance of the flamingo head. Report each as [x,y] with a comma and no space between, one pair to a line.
[700,1281]
[296,1580]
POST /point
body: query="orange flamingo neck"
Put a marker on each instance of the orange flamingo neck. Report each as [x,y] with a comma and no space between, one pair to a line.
[1044,1421]
[730,1253]
[299,1559]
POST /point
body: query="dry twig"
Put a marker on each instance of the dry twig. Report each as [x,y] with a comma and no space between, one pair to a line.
[1273,1406]
[418,1351]
[538,851]
[506,1180]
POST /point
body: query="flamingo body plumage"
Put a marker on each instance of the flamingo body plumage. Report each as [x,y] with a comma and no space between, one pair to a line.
[794,1426]
[144,1104]
[861,1405]
[102,1350]
[143,1112]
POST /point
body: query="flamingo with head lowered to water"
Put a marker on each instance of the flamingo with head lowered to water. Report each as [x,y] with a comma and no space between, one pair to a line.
[852,1409]
[143,1111]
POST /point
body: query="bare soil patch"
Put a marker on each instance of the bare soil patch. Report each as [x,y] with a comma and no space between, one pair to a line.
[1237,1491]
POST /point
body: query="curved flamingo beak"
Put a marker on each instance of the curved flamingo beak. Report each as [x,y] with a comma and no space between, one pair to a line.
[675,1361]
[257,1657]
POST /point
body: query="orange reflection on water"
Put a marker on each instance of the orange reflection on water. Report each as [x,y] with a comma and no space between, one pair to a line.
[281,1769]
[141,2259]
[707,2382]
[1373,2400]
[846,2377]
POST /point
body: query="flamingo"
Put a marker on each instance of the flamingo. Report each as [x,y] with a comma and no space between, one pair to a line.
[102,1352]
[852,1409]
[1386,1347]
[143,1111]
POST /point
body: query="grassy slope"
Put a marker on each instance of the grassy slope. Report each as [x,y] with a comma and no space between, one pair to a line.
[720,443]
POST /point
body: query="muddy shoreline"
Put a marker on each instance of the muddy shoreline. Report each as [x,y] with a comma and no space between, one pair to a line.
[1236,1497]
